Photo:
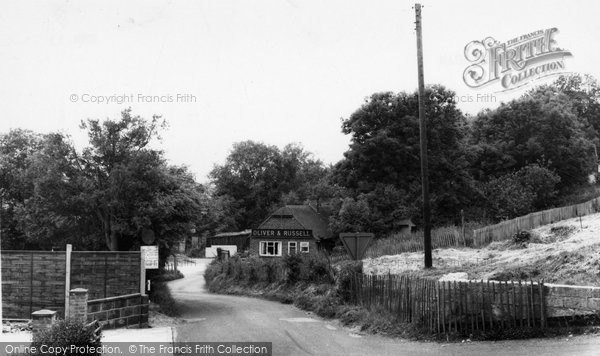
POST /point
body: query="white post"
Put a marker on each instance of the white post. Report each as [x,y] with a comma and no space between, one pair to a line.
[67,279]
[142,273]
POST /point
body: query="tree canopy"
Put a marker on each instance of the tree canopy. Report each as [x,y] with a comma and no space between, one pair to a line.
[99,198]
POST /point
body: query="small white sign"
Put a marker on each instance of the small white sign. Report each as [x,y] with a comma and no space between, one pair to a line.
[150,254]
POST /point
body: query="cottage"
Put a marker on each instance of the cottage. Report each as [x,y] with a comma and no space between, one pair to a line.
[290,229]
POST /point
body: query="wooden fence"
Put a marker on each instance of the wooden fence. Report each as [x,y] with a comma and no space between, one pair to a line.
[506,229]
[34,280]
[172,263]
[452,306]
[413,242]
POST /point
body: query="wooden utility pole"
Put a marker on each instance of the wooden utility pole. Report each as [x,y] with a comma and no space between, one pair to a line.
[423,133]
[1,209]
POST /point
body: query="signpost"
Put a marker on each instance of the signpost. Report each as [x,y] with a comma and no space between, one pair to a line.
[356,243]
[150,256]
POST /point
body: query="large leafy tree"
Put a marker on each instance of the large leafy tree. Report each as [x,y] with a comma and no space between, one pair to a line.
[542,126]
[256,178]
[103,197]
[384,151]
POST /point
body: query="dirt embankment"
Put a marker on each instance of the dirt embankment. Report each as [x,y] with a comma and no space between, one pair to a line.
[566,252]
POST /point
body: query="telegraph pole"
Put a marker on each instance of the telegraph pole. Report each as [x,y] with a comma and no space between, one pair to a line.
[423,134]
[1,305]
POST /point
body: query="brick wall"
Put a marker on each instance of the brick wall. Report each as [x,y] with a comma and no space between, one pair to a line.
[106,274]
[32,280]
[122,311]
[255,243]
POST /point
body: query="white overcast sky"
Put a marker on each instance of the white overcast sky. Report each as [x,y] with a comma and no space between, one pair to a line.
[273,71]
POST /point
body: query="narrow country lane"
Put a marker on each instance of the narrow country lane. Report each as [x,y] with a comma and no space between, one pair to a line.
[213,317]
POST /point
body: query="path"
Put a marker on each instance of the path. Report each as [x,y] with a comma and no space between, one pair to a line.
[218,318]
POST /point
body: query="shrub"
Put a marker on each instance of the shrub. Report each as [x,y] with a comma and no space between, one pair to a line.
[271,270]
[67,333]
[521,237]
[166,276]
[292,264]
[161,295]
[196,252]
[344,279]
[316,268]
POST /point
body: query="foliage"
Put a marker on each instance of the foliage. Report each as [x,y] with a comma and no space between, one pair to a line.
[292,264]
[515,194]
[160,294]
[66,333]
[196,252]
[255,178]
[102,197]
[166,276]
[291,269]
[522,237]
[541,126]
[384,155]
[346,272]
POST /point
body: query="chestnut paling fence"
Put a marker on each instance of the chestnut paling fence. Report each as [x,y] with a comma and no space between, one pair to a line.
[452,306]
[413,242]
[506,229]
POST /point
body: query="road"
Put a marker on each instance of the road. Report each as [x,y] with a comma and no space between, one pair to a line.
[213,317]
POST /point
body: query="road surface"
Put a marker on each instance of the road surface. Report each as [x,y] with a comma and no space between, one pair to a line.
[220,318]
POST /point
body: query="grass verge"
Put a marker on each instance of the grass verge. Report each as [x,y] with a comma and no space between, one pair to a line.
[160,293]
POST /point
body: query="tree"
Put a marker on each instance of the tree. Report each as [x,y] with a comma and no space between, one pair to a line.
[384,150]
[256,178]
[539,127]
[117,168]
[100,198]
[531,188]
[17,148]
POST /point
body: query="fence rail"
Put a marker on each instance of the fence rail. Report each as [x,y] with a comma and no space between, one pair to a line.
[413,242]
[171,264]
[453,306]
[506,229]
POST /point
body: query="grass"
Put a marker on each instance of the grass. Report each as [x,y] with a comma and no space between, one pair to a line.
[167,276]
[394,244]
[160,293]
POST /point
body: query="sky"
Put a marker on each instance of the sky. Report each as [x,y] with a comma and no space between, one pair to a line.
[272,71]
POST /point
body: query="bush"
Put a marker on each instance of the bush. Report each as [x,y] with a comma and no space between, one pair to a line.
[166,276]
[271,270]
[346,273]
[196,252]
[67,333]
[521,237]
[317,268]
[292,263]
[161,295]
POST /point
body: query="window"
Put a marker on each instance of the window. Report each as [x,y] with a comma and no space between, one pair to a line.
[292,247]
[270,248]
[304,247]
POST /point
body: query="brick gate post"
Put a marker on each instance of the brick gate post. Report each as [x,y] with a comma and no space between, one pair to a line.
[42,320]
[78,299]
